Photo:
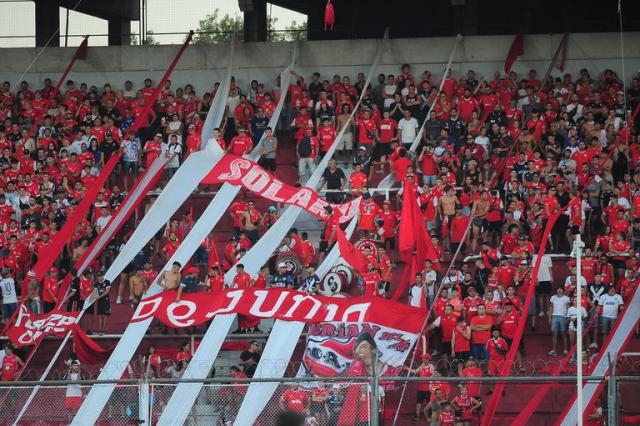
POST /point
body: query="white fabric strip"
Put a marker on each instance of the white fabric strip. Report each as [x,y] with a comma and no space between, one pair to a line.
[627,326]
[179,188]
[389,180]
[107,234]
[279,349]
[185,394]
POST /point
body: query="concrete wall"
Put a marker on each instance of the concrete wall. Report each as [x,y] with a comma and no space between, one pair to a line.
[202,65]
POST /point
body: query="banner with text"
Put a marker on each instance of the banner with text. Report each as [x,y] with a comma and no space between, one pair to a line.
[289,305]
[250,175]
[28,329]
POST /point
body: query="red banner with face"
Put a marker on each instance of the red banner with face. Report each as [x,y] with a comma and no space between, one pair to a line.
[248,174]
[289,305]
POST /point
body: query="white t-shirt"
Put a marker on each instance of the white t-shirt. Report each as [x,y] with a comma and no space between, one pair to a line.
[572,313]
[409,129]
[415,296]
[559,305]
[581,281]
[543,273]
[610,305]
[8,288]
[483,141]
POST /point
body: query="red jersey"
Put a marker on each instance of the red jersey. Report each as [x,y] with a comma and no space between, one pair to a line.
[387,130]
[241,145]
[242,281]
[462,343]
[497,349]
[509,324]
[368,212]
[9,367]
[472,387]
[479,337]
[49,289]
[366,131]
[237,210]
[447,324]
[295,400]
[216,284]
[326,136]
[470,304]
[370,281]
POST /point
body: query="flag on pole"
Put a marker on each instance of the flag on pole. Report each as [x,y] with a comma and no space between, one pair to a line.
[516,50]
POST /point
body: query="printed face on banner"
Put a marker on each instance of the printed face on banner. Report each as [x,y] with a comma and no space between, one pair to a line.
[28,328]
[354,349]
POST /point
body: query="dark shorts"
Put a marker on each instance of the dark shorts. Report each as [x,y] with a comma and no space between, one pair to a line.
[462,356]
[131,167]
[445,348]
[494,226]
[104,306]
[269,164]
[619,264]
[90,310]
[48,306]
[510,343]
[543,287]
[575,230]
[480,223]
[423,396]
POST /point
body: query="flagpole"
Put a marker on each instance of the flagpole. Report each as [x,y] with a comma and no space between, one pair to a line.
[577,244]
[555,58]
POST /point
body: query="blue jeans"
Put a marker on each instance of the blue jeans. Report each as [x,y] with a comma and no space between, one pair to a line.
[479,352]
[8,309]
[429,179]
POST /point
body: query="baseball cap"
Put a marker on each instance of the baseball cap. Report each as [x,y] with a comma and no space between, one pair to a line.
[362,148]
[272,208]
[193,269]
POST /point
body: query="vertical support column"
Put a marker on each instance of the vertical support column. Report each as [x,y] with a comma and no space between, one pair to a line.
[144,402]
[612,392]
[47,23]
[255,22]
[119,32]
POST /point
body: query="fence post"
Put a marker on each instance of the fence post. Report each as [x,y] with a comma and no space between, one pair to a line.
[375,391]
[144,405]
[612,393]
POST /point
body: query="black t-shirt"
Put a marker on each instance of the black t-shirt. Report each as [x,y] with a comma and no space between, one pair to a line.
[250,369]
[314,90]
[333,179]
[102,286]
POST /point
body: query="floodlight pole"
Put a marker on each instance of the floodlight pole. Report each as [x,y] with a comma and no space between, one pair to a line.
[577,246]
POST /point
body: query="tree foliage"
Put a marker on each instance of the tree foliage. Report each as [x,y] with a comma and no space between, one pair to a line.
[150,40]
[219,29]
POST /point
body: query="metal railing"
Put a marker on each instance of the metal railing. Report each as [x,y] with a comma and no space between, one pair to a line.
[143,400]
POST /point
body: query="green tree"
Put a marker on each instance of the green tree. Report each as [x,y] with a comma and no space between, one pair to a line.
[216,29]
[149,41]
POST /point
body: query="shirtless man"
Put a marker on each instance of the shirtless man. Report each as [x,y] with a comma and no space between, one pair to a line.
[346,145]
[137,287]
[79,251]
[479,215]
[448,202]
[250,221]
[171,279]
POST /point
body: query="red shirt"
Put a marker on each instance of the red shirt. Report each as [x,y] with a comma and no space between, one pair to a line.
[505,275]
[462,343]
[242,281]
[368,212]
[366,128]
[216,283]
[425,371]
[9,368]
[494,345]
[388,128]
[295,400]
[470,304]
[50,285]
[326,136]
[509,324]
[240,145]
[447,324]
[472,387]
[371,280]
[238,209]
[481,336]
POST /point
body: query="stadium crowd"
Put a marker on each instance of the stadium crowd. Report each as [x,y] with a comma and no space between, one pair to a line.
[497,155]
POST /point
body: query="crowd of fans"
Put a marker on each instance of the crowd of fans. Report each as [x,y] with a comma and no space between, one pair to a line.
[499,156]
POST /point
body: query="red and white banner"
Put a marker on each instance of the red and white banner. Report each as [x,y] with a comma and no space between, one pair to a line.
[248,174]
[346,348]
[29,329]
[289,305]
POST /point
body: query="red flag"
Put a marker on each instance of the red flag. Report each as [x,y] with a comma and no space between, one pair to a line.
[563,52]
[350,254]
[406,232]
[424,247]
[329,16]
[83,50]
[516,50]
[214,260]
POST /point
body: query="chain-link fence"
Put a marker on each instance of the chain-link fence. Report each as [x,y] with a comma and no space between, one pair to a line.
[323,401]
